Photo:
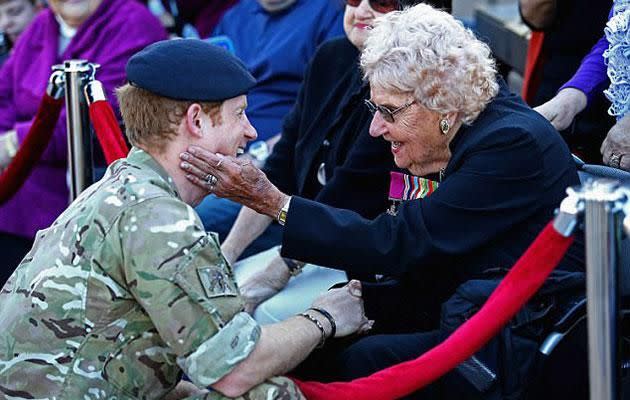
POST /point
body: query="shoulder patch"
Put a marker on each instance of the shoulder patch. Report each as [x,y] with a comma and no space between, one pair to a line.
[215,281]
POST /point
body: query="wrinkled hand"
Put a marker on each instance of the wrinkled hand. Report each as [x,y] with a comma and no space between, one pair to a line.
[563,108]
[238,180]
[183,390]
[8,146]
[265,284]
[618,142]
[346,307]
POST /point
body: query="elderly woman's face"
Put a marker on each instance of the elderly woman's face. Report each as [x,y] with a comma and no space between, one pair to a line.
[74,12]
[415,137]
[15,15]
[357,21]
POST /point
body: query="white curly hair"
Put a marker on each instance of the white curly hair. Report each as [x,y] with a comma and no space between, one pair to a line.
[426,52]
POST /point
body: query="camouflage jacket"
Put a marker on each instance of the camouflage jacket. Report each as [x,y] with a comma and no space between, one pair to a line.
[120,295]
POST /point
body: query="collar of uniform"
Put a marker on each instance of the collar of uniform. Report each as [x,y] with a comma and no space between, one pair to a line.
[141,158]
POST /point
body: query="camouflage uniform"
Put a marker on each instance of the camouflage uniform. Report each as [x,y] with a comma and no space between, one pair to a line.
[120,295]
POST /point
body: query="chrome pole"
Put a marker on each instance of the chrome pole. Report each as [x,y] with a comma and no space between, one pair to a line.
[77,74]
[626,220]
[602,199]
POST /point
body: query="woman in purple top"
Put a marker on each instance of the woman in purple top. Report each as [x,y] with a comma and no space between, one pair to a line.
[106,32]
[575,95]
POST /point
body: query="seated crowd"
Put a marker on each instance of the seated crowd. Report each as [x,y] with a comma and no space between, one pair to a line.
[279,125]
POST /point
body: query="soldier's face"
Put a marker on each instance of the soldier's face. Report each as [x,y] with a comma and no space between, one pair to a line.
[234,129]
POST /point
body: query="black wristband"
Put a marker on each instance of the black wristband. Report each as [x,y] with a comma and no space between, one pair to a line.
[331,320]
[319,326]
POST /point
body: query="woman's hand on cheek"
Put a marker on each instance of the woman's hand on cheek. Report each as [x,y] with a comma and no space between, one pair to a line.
[236,179]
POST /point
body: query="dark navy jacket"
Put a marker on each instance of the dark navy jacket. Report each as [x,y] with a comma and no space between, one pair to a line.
[508,172]
[330,108]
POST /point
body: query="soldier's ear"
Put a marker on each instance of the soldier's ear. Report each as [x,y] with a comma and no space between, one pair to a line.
[194,120]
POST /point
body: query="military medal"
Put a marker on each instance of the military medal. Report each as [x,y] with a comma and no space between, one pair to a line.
[403,187]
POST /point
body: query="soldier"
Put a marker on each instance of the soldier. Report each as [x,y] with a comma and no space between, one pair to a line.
[125,291]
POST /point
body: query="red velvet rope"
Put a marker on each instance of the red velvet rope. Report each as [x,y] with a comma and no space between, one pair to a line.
[108,132]
[31,149]
[518,286]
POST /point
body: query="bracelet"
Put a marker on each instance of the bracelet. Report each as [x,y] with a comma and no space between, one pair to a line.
[294,266]
[331,320]
[319,326]
[282,214]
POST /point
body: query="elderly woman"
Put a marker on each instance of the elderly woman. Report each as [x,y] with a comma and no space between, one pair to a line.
[501,169]
[325,152]
[106,32]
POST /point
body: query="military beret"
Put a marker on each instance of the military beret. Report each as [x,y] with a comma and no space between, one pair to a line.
[189,69]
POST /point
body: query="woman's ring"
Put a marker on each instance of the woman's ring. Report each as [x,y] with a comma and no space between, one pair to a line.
[615,160]
[211,180]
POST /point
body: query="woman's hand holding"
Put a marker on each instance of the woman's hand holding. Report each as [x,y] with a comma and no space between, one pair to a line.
[232,178]
[345,305]
[563,108]
[616,147]
[265,284]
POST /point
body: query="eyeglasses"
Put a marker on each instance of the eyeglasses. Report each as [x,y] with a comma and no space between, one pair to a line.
[388,115]
[381,6]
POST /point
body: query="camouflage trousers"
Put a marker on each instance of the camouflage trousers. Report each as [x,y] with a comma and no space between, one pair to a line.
[276,388]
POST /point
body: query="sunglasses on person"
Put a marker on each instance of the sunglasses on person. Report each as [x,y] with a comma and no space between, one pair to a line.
[386,113]
[381,6]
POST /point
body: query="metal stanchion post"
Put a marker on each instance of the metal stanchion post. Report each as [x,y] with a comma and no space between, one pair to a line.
[602,211]
[626,221]
[604,205]
[77,74]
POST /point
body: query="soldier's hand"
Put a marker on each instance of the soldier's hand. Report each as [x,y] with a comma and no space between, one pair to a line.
[183,390]
[563,108]
[265,284]
[345,305]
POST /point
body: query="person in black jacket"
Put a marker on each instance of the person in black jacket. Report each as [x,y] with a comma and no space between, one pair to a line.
[501,169]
